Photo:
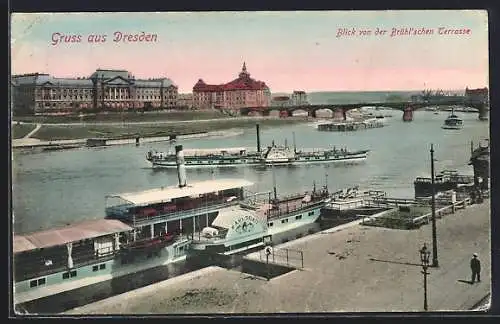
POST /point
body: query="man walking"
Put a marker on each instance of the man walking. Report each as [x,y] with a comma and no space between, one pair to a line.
[475,266]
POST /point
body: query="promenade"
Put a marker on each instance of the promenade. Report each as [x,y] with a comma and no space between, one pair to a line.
[356,269]
[28,142]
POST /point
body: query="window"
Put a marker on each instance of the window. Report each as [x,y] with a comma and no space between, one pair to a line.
[65,275]
[271,224]
[298,217]
[33,283]
[102,266]
[95,268]
[284,221]
[41,281]
[311,213]
[72,273]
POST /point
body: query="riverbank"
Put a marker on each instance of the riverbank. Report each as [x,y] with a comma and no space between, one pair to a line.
[54,132]
[126,117]
[31,143]
[357,269]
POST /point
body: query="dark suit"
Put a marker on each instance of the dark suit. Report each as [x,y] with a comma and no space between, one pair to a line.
[475,266]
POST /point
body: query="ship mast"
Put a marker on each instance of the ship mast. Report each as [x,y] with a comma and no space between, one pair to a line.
[294,146]
[274,182]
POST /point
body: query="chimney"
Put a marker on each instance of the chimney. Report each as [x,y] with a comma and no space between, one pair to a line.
[181,168]
[258,137]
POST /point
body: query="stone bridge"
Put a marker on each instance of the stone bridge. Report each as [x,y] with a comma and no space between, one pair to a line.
[287,111]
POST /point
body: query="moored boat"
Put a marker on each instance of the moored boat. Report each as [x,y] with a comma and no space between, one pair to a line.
[452,121]
[444,181]
[350,203]
[252,225]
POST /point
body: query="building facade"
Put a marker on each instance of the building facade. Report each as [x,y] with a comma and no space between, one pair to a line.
[281,101]
[241,92]
[185,100]
[476,96]
[109,90]
[299,98]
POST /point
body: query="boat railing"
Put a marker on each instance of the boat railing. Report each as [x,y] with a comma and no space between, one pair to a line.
[365,195]
[209,240]
[42,265]
[446,178]
[209,207]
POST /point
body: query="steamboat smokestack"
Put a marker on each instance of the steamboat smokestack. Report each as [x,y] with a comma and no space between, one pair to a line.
[258,137]
[181,168]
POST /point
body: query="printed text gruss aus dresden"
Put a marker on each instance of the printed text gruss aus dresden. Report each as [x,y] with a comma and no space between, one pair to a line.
[403,31]
[116,37]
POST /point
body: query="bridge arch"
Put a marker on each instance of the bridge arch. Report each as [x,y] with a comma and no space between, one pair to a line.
[323,113]
[300,112]
[274,112]
[255,113]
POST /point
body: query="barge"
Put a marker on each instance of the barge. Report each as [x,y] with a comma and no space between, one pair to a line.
[351,204]
[375,122]
[444,181]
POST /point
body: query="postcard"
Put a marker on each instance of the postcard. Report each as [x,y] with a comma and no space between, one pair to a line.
[250,162]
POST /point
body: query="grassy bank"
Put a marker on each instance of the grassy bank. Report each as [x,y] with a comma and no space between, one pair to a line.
[126,117]
[19,131]
[57,132]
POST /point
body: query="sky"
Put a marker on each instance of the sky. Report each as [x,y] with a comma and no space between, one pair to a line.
[288,50]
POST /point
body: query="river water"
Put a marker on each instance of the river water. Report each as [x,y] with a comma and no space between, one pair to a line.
[59,187]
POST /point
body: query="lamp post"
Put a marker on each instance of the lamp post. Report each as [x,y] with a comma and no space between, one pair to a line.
[433,210]
[424,258]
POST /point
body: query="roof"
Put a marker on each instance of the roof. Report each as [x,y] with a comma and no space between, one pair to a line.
[32,78]
[166,194]
[22,244]
[477,91]
[65,81]
[281,98]
[243,82]
[71,233]
[227,216]
[154,83]
[109,74]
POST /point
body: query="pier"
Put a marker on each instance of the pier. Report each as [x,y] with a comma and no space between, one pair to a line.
[354,268]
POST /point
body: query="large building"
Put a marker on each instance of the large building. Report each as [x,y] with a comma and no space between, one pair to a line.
[241,92]
[111,90]
[299,98]
[185,100]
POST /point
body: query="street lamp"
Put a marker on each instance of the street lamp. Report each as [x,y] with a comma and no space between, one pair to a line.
[424,258]
[433,210]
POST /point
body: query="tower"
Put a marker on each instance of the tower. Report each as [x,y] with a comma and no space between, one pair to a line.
[244,73]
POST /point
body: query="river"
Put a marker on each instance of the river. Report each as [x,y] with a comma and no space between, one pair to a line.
[60,187]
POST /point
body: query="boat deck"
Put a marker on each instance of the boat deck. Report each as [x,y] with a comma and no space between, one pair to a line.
[285,207]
